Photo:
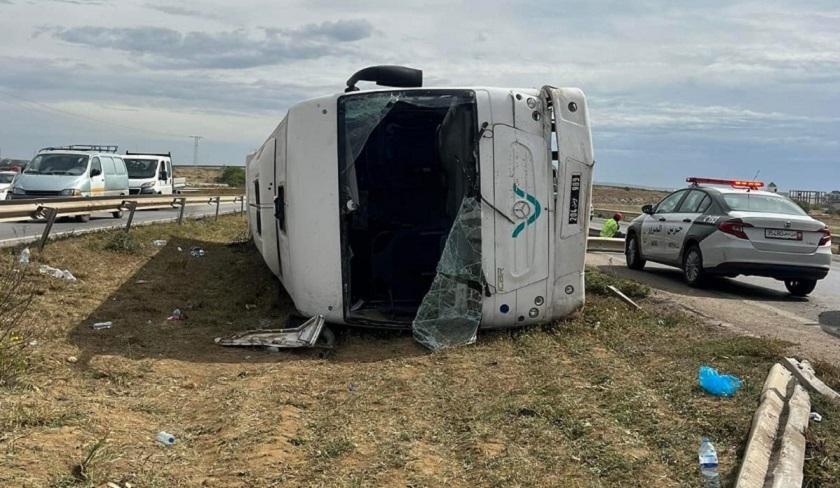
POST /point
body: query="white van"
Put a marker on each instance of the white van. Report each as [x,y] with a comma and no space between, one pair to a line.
[149,173]
[438,209]
[73,171]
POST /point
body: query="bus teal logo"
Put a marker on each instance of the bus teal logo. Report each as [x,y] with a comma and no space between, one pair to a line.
[522,208]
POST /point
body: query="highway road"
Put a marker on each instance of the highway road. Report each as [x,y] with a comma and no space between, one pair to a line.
[759,306]
[12,233]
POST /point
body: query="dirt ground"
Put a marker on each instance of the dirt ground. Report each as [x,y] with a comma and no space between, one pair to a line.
[199,175]
[624,198]
[608,398]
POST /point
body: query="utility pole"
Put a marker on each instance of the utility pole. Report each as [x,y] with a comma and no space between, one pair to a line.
[195,148]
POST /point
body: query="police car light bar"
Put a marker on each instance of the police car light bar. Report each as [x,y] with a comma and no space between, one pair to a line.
[752,185]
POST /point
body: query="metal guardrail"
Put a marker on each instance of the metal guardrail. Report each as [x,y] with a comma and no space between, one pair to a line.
[604,244]
[608,213]
[50,209]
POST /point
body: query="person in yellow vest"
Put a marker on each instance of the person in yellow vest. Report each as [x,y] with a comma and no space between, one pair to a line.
[611,227]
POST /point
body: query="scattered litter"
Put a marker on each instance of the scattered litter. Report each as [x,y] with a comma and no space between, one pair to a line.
[102,325]
[250,306]
[159,242]
[717,384]
[33,343]
[177,314]
[24,257]
[72,359]
[180,249]
[112,484]
[815,417]
[624,297]
[351,387]
[148,322]
[197,252]
[166,438]
[708,463]
[56,273]
[141,282]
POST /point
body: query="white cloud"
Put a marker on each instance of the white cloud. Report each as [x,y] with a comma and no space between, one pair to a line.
[746,74]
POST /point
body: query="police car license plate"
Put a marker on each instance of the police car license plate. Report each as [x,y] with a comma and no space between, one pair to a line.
[790,235]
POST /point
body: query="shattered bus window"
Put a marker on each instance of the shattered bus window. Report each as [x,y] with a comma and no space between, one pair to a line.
[451,311]
[407,163]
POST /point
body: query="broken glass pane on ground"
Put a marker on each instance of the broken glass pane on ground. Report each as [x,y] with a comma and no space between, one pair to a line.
[450,312]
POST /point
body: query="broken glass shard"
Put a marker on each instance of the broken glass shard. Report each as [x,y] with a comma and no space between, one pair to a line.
[450,312]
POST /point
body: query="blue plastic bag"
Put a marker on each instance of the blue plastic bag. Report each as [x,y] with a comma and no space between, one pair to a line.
[717,384]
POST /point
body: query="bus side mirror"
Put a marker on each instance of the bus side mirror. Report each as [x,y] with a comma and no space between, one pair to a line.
[648,209]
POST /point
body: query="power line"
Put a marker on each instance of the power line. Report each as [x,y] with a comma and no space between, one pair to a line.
[195,148]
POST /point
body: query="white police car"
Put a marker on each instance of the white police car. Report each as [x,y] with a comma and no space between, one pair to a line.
[731,228]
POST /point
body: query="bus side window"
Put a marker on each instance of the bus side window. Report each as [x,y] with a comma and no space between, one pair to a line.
[280,207]
[257,202]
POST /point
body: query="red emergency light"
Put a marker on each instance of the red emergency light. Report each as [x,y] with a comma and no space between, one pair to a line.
[750,185]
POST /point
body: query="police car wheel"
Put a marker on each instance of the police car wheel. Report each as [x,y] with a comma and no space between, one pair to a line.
[632,253]
[800,288]
[693,266]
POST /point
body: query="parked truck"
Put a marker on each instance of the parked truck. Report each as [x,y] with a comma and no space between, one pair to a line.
[149,173]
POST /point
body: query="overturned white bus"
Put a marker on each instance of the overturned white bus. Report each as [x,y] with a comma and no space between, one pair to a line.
[439,209]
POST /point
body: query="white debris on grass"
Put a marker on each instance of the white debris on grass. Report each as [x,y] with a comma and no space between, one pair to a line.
[56,273]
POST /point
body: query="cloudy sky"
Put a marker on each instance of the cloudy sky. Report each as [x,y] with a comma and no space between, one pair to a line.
[710,87]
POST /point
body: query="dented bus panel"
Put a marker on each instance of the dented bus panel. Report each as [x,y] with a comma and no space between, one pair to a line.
[425,208]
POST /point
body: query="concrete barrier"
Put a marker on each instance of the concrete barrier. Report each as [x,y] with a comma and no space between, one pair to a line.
[765,425]
[788,470]
[775,453]
[805,374]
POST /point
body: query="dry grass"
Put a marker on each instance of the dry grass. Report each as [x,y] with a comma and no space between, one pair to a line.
[198,175]
[606,399]
[626,199]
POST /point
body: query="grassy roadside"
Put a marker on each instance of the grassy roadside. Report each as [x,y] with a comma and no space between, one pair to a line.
[606,399]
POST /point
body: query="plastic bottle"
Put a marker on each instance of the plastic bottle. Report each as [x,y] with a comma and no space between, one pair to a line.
[709,464]
[166,438]
[24,257]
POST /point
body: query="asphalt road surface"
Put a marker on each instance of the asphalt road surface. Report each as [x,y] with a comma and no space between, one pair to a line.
[13,232]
